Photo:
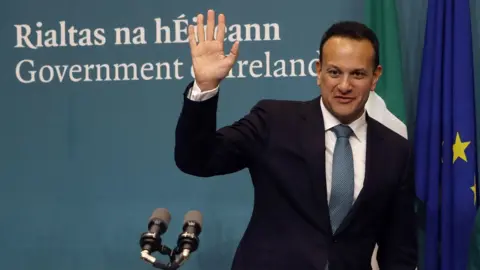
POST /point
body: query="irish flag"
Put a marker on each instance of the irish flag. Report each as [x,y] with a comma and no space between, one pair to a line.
[387,103]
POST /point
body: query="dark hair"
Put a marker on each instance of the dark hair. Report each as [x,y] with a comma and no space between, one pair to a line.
[353,30]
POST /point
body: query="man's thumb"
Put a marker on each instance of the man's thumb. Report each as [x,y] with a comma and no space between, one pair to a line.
[233,55]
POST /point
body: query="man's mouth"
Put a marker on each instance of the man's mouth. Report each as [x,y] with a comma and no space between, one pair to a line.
[344,100]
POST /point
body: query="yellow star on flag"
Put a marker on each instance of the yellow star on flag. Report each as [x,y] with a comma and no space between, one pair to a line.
[474,189]
[459,149]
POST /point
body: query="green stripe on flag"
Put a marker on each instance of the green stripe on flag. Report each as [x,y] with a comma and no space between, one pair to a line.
[381,17]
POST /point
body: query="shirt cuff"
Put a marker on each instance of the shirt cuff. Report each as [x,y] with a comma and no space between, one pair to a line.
[195,94]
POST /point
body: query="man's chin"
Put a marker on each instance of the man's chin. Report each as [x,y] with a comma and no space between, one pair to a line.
[345,116]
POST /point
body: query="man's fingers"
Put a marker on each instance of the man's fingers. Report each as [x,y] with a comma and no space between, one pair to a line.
[191,37]
[210,24]
[200,30]
[221,28]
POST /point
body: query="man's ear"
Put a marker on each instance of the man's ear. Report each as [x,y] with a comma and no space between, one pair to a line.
[318,65]
[376,76]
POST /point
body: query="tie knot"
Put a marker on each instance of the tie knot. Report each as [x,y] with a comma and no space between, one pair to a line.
[342,131]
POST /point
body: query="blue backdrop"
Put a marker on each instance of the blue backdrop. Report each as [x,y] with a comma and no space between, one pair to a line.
[84,163]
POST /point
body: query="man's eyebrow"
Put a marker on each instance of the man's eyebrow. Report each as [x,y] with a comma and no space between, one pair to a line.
[363,70]
[332,66]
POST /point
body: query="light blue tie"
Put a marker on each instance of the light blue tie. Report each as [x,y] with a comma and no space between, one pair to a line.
[341,196]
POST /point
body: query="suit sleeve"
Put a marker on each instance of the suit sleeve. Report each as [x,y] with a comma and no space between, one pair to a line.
[398,243]
[203,150]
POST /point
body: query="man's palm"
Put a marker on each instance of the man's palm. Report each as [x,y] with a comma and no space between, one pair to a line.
[210,64]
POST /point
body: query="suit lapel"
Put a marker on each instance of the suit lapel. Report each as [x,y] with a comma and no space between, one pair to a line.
[373,159]
[313,146]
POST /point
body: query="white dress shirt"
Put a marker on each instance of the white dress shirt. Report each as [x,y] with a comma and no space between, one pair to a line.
[358,142]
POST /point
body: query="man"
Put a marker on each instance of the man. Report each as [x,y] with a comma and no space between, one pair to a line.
[330,182]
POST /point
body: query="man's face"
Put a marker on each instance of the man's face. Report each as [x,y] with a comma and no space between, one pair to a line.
[346,76]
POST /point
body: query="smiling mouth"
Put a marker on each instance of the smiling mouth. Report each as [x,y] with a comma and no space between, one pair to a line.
[344,99]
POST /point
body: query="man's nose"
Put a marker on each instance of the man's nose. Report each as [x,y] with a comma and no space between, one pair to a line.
[344,86]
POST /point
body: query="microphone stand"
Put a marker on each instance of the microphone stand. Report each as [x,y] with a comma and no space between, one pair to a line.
[154,244]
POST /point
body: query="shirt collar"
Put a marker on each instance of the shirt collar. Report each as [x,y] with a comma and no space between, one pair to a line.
[358,126]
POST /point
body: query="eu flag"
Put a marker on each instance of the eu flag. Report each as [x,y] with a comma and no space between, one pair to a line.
[445,145]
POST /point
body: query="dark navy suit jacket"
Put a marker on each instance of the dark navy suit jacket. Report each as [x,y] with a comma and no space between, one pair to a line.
[282,145]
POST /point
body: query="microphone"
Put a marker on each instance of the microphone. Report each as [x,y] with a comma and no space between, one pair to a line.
[151,241]
[188,240]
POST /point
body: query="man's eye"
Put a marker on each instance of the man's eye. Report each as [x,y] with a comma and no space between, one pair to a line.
[333,72]
[358,74]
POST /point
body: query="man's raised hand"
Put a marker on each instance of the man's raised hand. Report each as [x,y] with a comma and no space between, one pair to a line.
[210,64]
